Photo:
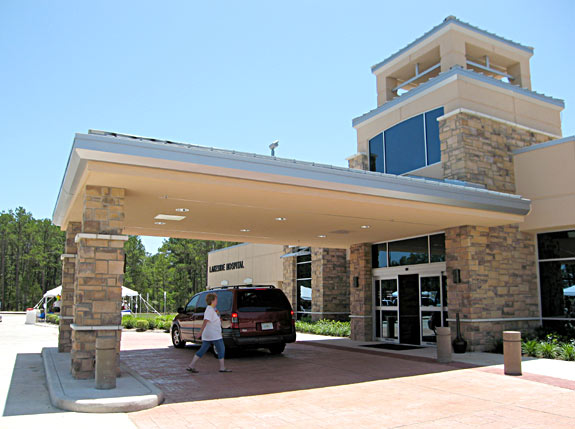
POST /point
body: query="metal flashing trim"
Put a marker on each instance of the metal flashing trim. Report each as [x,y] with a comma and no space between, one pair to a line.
[321,312]
[67,317]
[88,236]
[76,327]
[454,73]
[450,20]
[501,319]
[354,316]
[293,254]
[493,118]
[67,255]
[544,145]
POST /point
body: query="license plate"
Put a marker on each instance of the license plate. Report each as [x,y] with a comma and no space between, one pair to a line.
[267,326]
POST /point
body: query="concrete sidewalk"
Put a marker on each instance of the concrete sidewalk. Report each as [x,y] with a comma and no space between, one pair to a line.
[24,398]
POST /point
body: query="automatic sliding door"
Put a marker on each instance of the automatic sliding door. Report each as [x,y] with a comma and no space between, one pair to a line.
[386,321]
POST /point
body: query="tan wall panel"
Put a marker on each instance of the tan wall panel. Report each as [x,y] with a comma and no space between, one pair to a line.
[261,262]
[547,177]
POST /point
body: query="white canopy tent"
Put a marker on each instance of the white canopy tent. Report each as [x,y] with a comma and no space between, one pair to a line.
[53,293]
[569,291]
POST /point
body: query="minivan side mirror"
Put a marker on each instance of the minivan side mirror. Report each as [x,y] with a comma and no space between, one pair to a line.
[180,310]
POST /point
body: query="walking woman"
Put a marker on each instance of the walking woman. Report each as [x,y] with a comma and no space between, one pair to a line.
[211,334]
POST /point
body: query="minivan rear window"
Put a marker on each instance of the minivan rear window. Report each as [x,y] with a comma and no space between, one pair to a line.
[225,300]
[262,300]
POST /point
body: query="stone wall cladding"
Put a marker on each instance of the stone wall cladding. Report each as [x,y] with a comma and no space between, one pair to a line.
[479,150]
[99,276]
[361,297]
[498,280]
[103,210]
[359,161]
[68,276]
[330,283]
[289,286]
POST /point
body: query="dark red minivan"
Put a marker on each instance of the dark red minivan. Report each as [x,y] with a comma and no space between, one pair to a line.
[252,317]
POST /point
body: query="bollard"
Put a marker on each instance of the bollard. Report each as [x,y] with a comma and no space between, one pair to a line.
[106,360]
[443,345]
[512,352]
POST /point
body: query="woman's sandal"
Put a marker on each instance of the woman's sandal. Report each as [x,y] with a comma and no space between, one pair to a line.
[225,370]
[193,370]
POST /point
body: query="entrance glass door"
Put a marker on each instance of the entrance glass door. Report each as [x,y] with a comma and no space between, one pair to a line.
[386,320]
[433,305]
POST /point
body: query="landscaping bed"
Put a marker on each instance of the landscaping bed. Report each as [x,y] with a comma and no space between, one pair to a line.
[324,327]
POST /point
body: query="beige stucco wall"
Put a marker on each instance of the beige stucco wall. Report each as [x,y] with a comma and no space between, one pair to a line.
[546,176]
[466,93]
[261,263]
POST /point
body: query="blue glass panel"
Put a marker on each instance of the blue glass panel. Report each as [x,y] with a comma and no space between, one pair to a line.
[376,154]
[432,136]
[379,255]
[405,146]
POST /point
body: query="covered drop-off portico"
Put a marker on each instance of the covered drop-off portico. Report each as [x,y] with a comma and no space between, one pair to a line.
[118,185]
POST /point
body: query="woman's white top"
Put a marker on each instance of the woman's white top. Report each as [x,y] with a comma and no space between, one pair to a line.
[213,330]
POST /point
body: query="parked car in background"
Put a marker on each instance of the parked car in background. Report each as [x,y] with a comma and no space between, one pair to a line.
[252,317]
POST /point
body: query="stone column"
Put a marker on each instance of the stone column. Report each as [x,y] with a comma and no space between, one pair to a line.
[68,276]
[99,279]
[361,292]
[330,284]
[289,286]
[359,161]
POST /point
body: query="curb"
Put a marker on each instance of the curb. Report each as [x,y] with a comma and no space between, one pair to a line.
[123,404]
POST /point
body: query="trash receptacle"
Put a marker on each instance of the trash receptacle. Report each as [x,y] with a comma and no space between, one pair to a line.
[30,316]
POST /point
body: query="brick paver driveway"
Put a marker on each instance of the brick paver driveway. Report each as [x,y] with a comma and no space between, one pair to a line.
[311,386]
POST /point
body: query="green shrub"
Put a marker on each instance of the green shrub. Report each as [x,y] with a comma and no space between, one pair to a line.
[567,351]
[52,318]
[152,323]
[529,348]
[547,350]
[142,325]
[166,326]
[325,327]
[128,322]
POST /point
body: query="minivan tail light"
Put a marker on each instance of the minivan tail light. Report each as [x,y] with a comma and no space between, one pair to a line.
[235,321]
[292,315]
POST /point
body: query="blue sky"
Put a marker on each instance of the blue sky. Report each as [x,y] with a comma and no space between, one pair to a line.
[234,75]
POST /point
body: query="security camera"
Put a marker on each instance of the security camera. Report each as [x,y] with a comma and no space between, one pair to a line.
[273,146]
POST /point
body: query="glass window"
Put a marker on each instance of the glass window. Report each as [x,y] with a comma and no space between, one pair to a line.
[304,258]
[376,161]
[389,325]
[304,295]
[201,305]
[557,288]
[429,321]
[430,295]
[262,300]
[405,146]
[556,245]
[408,252]
[192,304]
[389,292]
[304,270]
[379,255]
[225,301]
[437,247]
[432,136]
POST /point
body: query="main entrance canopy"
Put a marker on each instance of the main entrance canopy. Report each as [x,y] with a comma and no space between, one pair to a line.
[227,195]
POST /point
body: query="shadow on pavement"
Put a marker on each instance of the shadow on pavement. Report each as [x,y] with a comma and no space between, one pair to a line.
[28,393]
[256,372]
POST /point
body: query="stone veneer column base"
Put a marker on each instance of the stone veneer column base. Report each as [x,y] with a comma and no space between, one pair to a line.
[361,296]
[68,279]
[329,284]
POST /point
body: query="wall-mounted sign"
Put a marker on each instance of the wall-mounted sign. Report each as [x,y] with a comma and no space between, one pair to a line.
[227,267]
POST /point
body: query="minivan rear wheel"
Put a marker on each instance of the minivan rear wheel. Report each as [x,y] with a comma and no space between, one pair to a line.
[177,338]
[276,349]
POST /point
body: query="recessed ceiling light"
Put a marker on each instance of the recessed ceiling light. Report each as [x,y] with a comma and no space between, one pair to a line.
[169,217]
[160,223]
[244,230]
[321,236]
[182,210]
[365,227]
[281,218]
